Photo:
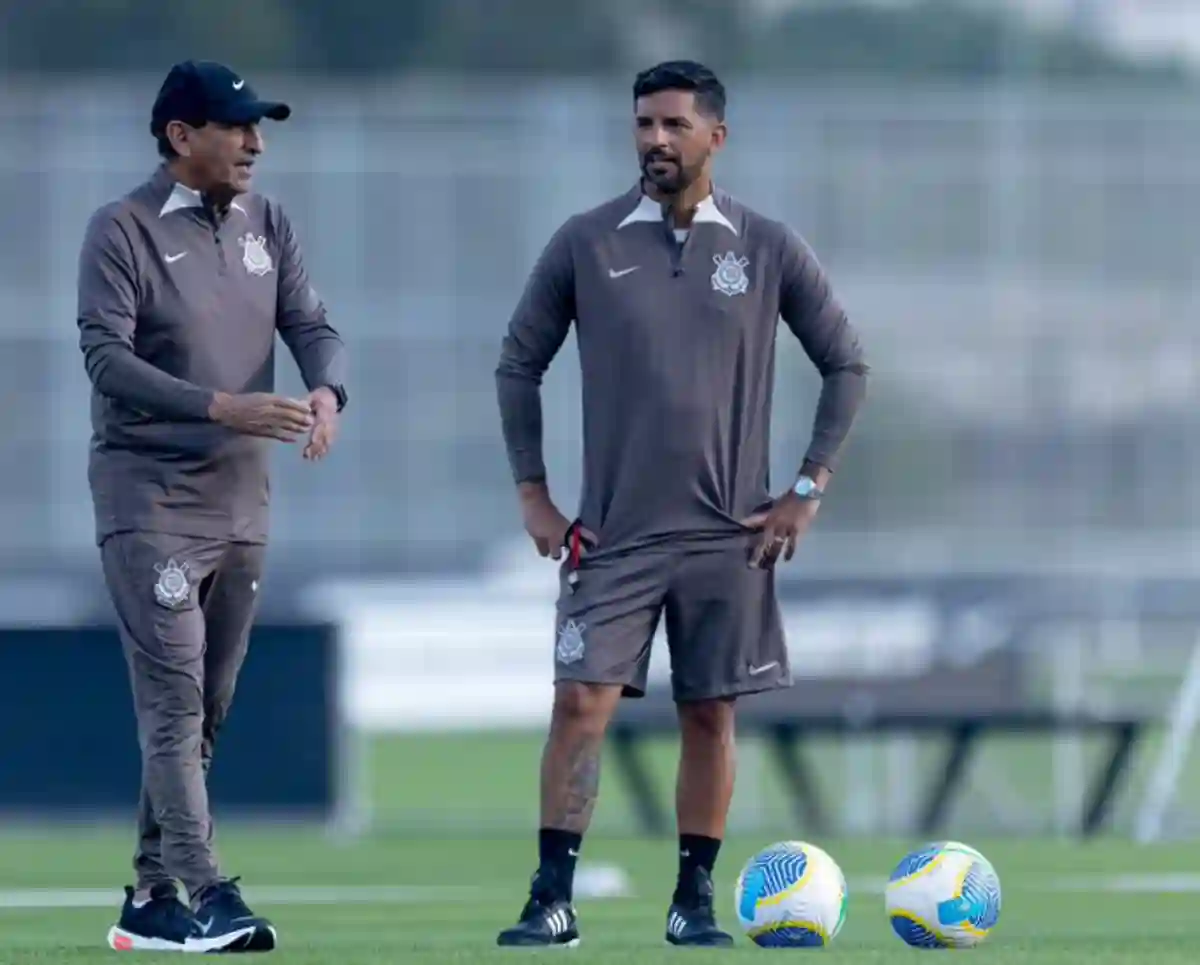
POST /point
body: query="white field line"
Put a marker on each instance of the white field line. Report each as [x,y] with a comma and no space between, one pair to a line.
[49,898]
[1126,884]
[1150,883]
[29,898]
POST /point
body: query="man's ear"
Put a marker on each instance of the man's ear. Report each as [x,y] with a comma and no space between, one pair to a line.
[719,133]
[178,134]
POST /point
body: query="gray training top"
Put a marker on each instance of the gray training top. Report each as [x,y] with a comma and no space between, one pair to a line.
[677,351]
[177,302]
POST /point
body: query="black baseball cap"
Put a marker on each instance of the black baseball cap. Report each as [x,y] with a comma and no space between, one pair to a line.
[198,91]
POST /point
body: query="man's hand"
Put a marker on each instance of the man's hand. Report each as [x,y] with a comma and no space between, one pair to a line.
[262,414]
[325,426]
[780,528]
[546,526]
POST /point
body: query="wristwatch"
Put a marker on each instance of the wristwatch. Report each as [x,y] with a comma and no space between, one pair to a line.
[805,488]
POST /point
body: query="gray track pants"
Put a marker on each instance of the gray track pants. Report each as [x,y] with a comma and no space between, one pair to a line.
[185,607]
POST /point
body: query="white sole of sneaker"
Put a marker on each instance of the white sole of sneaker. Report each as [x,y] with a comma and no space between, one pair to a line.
[250,939]
[124,941]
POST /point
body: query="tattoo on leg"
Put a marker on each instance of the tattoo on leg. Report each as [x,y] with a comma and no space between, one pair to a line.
[571,792]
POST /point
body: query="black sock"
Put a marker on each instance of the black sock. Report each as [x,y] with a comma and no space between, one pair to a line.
[557,853]
[695,852]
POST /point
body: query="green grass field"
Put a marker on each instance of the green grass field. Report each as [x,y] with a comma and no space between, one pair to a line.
[411,892]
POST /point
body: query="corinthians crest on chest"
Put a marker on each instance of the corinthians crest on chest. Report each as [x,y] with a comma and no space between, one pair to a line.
[730,276]
[255,257]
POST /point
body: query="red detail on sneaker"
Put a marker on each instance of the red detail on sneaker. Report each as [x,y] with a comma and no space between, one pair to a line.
[123,943]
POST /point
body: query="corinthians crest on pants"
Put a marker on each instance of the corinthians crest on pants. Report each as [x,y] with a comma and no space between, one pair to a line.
[254,254]
[570,642]
[173,587]
[730,276]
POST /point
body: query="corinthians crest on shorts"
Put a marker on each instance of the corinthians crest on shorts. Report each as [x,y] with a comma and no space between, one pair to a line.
[173,587]
[570,642]
[254,254]
[730,276]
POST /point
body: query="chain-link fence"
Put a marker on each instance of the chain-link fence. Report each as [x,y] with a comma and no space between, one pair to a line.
[1022,264]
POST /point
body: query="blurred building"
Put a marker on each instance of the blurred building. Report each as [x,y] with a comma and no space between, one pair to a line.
[1144,28]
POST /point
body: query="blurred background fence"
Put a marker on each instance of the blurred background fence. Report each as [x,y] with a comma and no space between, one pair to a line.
[1017,246]
[1020,261]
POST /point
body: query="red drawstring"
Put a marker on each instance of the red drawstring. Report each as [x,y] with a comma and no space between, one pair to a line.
[574,552]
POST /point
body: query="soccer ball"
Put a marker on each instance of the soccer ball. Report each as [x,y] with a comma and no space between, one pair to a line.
[945,895]
[791,895]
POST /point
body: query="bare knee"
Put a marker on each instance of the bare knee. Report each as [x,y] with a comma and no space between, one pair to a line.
[707,720]
[583,706]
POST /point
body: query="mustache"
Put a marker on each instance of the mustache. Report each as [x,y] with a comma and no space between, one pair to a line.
[653,156]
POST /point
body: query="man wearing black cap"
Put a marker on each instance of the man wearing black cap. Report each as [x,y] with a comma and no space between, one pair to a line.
[183,284]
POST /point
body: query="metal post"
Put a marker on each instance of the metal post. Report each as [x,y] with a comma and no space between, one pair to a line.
[1069,777]
[354,814]
[1181,731]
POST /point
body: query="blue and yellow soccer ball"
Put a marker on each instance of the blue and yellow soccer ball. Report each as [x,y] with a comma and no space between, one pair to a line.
[791,895]
[945,895]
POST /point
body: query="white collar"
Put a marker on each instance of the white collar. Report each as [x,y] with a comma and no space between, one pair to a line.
[182,196]
[650,210]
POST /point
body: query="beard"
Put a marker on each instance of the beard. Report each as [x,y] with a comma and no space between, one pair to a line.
[669,175]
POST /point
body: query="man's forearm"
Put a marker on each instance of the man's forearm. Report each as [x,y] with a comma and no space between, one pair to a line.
[319,352]
[533,489]
[119,374]
[520,402]
[842,394]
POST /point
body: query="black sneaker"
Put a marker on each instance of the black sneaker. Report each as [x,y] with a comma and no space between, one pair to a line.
[546,920]
[225,924]
[690,920]
[159,923]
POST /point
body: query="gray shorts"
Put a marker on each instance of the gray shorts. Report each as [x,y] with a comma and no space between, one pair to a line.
[723,625]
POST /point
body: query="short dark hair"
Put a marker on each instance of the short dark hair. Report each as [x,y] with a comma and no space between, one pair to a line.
[686,75]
